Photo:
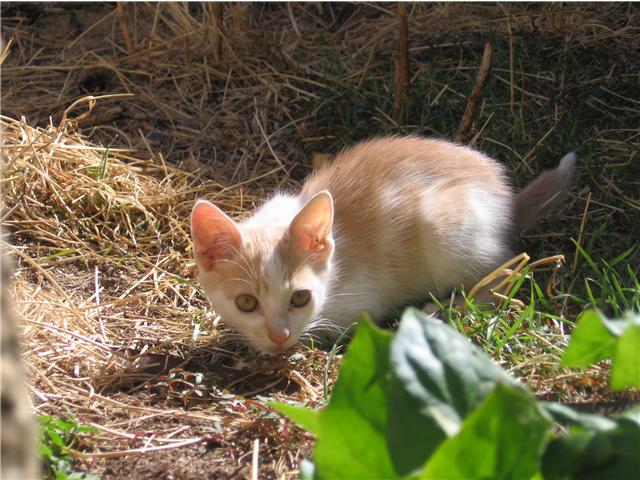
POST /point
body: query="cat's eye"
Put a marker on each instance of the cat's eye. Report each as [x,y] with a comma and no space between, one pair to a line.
[300,298]
[246,303]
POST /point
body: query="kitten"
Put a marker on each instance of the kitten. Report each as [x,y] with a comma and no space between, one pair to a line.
[388,222]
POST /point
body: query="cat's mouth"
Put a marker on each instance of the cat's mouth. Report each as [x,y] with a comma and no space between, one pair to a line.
[273,350]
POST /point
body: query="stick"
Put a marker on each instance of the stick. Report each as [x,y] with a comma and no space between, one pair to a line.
[574,265]
[124,28]
[254,460]
[215,9]
[474,99]
[133,451]
[512,93]
[98,288]
[402,60]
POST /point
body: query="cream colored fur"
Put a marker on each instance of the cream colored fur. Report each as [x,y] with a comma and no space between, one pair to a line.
[388,222]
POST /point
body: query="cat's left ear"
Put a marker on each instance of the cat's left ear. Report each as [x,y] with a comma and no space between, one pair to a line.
[310,230]
[215,236]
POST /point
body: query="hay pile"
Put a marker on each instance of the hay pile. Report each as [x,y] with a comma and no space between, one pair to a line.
[105,293]
[114,119]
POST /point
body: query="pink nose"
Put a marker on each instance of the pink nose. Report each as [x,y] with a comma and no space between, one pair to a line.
[279,336]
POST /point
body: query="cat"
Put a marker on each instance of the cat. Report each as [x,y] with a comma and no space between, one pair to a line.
[388,222]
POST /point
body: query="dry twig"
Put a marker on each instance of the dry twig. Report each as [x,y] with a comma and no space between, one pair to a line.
[464,130]
[123,26]
[402,59]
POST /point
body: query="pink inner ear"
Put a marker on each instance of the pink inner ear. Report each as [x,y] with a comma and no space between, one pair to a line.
[215,235]
[309,239]
[311,228]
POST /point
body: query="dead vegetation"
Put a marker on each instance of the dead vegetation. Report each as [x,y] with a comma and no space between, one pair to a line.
[113,325]
[114,119]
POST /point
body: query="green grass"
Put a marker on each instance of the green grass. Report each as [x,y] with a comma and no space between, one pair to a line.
[55,437]
[99,172]
[611,286]
[541,329]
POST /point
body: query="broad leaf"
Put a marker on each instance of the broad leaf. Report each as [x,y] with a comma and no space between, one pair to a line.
[567,416]
[351,438]
[437,378]
[596,454]
[307,418]
[626,360]
[429,404]
[590,342]
[501,439]
[596,338]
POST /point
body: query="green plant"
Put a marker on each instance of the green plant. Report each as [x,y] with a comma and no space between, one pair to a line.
[55,437]
[596,338]
[595,447]
[426,403]
[99,172]
[612,285]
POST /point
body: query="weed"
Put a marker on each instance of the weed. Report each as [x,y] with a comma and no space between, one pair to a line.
[55,437]
[426,404]
[99,172]
[613,286]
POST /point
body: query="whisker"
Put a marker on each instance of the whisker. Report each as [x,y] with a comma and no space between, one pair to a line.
[238,279]
[241,267]
[354,294]
[324,324]
[233,335]
[309,336]
[249,267]
[237,339]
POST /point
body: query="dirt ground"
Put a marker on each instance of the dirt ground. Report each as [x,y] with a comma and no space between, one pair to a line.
[116,117]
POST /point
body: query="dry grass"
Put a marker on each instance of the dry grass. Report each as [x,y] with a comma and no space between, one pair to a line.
[109,311]
[113,125]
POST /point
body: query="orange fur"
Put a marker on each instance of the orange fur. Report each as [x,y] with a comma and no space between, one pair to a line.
[390,221]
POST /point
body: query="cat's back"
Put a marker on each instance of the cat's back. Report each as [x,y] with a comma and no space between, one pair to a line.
[407,206]
[374,165]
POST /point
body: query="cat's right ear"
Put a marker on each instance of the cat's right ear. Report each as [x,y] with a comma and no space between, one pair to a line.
[215,235]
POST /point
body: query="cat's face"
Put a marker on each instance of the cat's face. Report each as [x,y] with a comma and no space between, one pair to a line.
[267,283]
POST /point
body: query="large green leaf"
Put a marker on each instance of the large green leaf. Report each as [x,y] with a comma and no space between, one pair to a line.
[307,418]
[427,403]
[351,439]
[567,416]
[590,342]
[502,439]
[596,338]
[590,454]
[626,359]
[437,378]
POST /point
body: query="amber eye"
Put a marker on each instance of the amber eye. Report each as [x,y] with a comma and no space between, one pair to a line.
[246,303]
[300,298]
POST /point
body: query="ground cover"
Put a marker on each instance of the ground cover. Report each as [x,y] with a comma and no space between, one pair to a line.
[112,125]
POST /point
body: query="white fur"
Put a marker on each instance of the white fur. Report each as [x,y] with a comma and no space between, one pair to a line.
[274,312]
[276,212]
[413,217]
[480,244]
[271,219]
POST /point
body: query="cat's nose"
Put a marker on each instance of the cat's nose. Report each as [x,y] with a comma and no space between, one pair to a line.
[279,336]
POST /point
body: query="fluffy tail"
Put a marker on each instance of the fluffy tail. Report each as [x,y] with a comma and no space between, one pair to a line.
[541,194]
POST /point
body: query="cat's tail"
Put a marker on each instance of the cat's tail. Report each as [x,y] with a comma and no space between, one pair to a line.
[544,192]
